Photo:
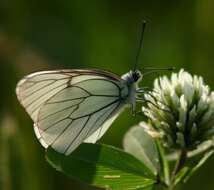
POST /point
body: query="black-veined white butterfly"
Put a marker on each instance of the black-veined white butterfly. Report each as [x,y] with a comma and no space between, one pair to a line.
[69,107]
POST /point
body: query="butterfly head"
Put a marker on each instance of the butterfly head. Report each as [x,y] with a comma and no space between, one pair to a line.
[132,76]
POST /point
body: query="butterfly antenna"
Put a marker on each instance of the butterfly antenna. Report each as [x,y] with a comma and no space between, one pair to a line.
[140,45]
[150,70]
[158,69]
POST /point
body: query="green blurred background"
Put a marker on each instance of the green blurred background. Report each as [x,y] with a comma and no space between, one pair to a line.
[44,34]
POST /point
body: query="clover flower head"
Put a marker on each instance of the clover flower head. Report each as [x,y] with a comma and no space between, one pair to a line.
[181,110]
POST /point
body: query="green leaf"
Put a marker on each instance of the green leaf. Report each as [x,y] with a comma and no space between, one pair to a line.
[148,188]
[138,143]
[103,166]
[164,164]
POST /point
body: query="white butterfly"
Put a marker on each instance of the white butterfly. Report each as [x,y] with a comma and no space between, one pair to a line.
[69,107]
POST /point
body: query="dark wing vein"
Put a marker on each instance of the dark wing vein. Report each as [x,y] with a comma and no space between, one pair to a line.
[107,80]
[117,100]
[61,133]
[69,106]
[110,114]
[42,95]
[76,109]
[83,127]
[36,90]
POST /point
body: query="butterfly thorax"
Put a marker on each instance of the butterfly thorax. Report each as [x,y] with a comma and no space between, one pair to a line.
[131,79]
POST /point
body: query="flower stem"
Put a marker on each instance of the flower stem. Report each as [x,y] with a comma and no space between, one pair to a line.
[178,166]
[180,162]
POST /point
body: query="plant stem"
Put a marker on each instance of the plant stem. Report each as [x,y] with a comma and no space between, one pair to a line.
[178,166]
[180,162]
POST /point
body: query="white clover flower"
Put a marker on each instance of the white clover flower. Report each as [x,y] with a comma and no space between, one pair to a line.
[181,109]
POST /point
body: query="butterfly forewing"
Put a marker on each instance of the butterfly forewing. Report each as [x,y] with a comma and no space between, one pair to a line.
[35,89]
[72,106]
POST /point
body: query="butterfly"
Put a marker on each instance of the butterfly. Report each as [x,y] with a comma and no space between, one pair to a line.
[69,107]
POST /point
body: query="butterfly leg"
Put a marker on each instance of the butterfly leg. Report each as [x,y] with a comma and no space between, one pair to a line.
[141,92]
[154,103]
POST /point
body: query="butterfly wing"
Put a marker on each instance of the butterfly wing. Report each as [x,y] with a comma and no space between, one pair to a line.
[35,89]
[72,106]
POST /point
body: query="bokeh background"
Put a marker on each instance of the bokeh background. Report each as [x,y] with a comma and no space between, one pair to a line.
[42,35]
